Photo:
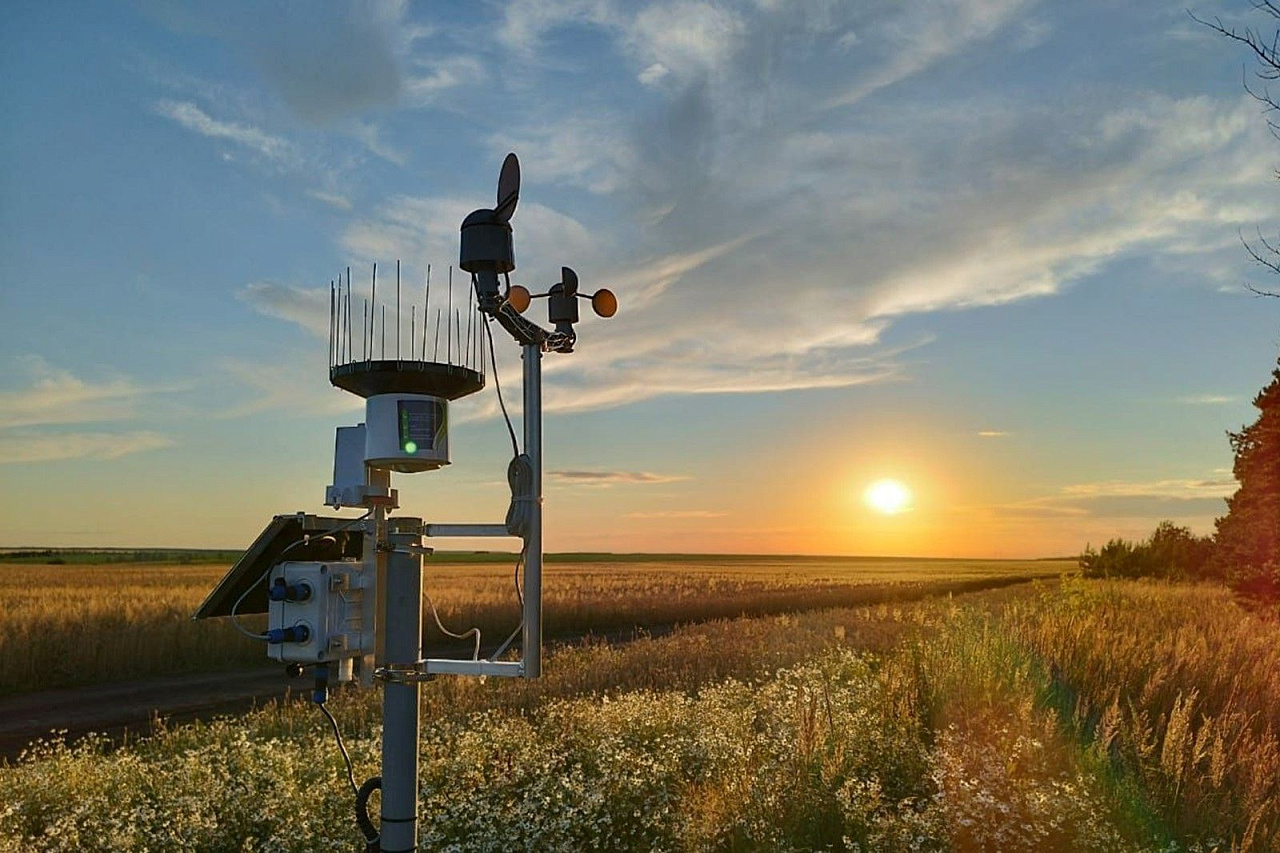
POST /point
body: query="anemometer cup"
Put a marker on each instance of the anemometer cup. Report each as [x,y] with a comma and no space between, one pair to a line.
[604,303]
[518,297]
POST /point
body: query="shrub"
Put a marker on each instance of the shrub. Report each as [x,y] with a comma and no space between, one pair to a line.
[1171,552]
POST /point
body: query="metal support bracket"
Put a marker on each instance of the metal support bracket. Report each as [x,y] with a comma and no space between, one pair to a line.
[465,530]
[424,670]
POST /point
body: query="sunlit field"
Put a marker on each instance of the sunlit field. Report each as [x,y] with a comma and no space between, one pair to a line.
[66,625]
[1076,715]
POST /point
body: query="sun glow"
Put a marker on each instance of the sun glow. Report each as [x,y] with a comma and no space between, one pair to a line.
[888,497]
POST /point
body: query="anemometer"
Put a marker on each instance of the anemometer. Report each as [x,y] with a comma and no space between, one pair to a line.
[344,595]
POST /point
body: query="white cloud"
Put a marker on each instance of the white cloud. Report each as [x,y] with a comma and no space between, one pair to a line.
[195,119]
[341,202]
[678,513]
[993,433]
[425,230]
[1175,489]
[431,78]
[288,386]
[525,22]
[1142,501]
[759,240]
[18,447]
[686,39]
[1204,399]
[371,136]
[56,396]
[916,37]
[610,478]
[306,306]
[653,74]
[593,152]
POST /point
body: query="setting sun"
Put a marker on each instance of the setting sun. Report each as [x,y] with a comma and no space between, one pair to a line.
[888,497]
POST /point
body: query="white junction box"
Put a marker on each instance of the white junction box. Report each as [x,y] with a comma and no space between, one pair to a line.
[314,611]
[349,479]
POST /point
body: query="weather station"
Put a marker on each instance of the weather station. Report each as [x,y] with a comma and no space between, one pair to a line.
[343,596]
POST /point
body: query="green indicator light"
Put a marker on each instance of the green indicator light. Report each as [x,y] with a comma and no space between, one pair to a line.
[410,447]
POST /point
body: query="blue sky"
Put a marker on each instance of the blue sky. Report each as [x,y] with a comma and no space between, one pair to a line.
[989,248]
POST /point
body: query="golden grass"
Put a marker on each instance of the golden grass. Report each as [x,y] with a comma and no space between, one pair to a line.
[1178,685]
[1102,716]
[764,733]
[82,624]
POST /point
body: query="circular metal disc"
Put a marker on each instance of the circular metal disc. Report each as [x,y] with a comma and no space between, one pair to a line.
[508,188]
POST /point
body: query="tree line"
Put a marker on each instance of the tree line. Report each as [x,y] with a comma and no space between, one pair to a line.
[1244,550]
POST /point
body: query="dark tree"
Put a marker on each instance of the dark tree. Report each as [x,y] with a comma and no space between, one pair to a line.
[1265,51]
[1247,551]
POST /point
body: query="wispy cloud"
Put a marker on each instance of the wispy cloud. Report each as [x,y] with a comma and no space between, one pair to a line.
[306,306]
[993,433]
[610,478]
[1174,489]
[428,79]
[33,418]
[1205,399]
[761,241]
[337,200]
[56,396]
[195,119]
[678,513]
[283,386]
[914,38]
[17,448]
[371,136]
[1146,500]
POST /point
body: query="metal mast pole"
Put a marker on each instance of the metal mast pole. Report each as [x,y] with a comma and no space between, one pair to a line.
[403,631]
[533,545]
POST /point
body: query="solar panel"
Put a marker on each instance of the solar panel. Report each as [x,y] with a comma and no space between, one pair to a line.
[304,537]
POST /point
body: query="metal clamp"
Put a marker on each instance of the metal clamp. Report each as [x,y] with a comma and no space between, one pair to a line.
[402,674]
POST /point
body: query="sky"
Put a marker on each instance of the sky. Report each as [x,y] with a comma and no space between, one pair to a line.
[989,249]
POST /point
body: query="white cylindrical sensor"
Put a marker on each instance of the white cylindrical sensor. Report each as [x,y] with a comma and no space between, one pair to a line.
[406,432]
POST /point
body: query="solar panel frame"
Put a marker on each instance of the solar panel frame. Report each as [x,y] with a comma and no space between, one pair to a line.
[304,536]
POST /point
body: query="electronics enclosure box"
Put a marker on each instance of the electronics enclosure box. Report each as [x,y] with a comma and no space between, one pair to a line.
[331,613]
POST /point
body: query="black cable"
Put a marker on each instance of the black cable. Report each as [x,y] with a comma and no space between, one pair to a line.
[342,747]
[361,792]
[371,835]
[305,540]
[497,384]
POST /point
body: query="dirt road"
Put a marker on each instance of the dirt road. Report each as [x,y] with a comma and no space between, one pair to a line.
[129,709]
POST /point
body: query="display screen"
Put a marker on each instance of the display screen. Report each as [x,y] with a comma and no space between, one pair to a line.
[420,421]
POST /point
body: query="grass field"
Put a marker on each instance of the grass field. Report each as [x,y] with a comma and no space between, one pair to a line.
[1105,716]
[82,623]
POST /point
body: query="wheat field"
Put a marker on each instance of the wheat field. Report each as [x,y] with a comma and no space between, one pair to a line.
[66,625]
[1081,715]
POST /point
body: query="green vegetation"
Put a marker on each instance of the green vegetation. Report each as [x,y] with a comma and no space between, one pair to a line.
[1245,548]
[83,624]
[1086,716]
[1170,553]
[108,556]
